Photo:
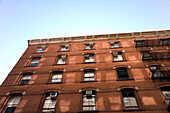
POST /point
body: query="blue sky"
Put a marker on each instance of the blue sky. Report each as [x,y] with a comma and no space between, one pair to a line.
[21,20]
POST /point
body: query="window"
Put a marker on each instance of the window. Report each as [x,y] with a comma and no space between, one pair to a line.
[25,79]
[166,93]
[56,77]
[140,43]
[35,62]
[114,44]
[41,49]
[89,45]
[50,102]
[146,55]
[12,104]
[89,75]
[89,100]
[65,47]
[117,56]
[165,42]
[89,58]
[129,99]
[156,71]
[62,59]
[122,73]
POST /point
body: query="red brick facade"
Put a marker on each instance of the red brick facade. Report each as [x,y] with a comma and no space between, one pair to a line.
[107,85]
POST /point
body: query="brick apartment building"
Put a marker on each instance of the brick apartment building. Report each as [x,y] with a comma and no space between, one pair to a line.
[124,72]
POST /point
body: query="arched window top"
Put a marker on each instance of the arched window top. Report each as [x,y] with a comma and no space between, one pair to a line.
[87,70]
[127,89]
[51,90]
[16,93]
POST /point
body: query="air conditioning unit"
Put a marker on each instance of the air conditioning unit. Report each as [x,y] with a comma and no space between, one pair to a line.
[53,95]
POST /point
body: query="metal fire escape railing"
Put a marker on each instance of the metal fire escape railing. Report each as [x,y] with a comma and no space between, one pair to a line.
[163,73]
[152,42]
[150,55]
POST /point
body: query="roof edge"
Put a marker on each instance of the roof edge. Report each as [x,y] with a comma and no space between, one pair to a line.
[99,37]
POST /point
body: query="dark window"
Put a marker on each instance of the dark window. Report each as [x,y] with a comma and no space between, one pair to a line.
[25,79]
[165,42]
[89,45]
[49,102]
[140,43]
[147,55]
[89,58]
[166,93]
[89,100]
[41,49]
[65,47]
[35,62]
[122,73]
[114,44]
[156,71]
[62,59]
[12,104]
[117,56]
[89,75]
[129,99]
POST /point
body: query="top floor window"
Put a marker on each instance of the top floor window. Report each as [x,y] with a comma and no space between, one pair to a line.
[12,104]
[89,45]
[35,62]
[41,49]
[165,42]
[114,44]
[65,47]
[140,43]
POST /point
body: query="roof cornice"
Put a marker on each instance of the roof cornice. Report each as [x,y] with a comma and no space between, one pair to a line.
[100,37]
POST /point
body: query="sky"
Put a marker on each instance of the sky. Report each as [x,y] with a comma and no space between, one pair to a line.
[21,20]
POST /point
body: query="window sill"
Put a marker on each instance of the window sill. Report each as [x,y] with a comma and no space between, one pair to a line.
[20,84]
[88,62]
[115,47]
[54,83]
[63,51]
[30,66]
[58,64]
[133,109]
[124,79]
[91,111]
[38,53]
[88,81]
[120,61]
[88,49]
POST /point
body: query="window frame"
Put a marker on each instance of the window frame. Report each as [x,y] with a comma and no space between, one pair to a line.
[8,99]
[157,70]
[90,55]
[28,64]
[163,41]
[138,100]
[43,101]
[39,47]
[118,53]
[65,46]
[90,44]
[59,58]
[86,71]
[51,75]
[112,46]
[140,45]
[95,96]
[128,73]
[166,88]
